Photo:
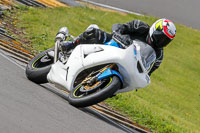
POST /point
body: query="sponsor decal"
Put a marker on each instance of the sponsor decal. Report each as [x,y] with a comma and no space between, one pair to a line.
[135,50]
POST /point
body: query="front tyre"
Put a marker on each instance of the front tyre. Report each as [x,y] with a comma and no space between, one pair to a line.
[38,68]
[82,96]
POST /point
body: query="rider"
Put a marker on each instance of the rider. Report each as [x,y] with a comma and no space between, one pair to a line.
[159,35]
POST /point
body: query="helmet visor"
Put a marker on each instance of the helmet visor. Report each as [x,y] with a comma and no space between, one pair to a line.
[160,39]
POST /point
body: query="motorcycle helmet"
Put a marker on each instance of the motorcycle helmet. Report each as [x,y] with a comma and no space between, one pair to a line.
[161,33]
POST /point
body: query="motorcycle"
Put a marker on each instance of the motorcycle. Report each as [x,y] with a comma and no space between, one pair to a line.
[93,73]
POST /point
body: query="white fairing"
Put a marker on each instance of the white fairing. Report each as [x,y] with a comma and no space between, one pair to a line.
[86,56]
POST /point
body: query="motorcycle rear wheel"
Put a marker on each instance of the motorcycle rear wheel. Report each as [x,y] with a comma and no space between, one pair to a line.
[38,68]
[103,89]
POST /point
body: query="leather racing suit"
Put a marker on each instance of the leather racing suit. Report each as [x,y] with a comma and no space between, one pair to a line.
[132,30]
[137,29]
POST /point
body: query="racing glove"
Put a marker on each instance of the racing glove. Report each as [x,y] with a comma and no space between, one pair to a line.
[93,35]
[123,39]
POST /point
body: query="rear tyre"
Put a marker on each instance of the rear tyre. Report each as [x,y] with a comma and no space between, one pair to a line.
[80,96]
[38,68]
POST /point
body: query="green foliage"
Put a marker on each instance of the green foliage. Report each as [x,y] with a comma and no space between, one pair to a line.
[171,102]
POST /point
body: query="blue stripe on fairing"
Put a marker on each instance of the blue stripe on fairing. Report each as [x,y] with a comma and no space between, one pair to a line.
[108,73]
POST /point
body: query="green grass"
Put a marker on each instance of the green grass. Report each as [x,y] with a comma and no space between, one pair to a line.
[171,103]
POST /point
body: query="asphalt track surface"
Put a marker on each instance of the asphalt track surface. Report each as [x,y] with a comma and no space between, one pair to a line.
[26,107]
[185,12]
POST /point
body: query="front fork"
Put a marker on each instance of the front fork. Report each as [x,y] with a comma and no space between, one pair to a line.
[56,50]
[60,37]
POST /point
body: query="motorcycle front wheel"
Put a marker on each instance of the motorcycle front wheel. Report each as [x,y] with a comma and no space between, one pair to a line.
[38,68]
[82,96]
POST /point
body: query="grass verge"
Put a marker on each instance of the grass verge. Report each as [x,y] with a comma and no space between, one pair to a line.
[170,103]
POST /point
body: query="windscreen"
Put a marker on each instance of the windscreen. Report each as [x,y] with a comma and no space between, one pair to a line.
[148,55]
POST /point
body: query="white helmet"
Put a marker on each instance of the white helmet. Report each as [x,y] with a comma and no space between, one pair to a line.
[161,33]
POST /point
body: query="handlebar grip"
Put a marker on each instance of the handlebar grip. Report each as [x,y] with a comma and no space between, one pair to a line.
[62,34]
